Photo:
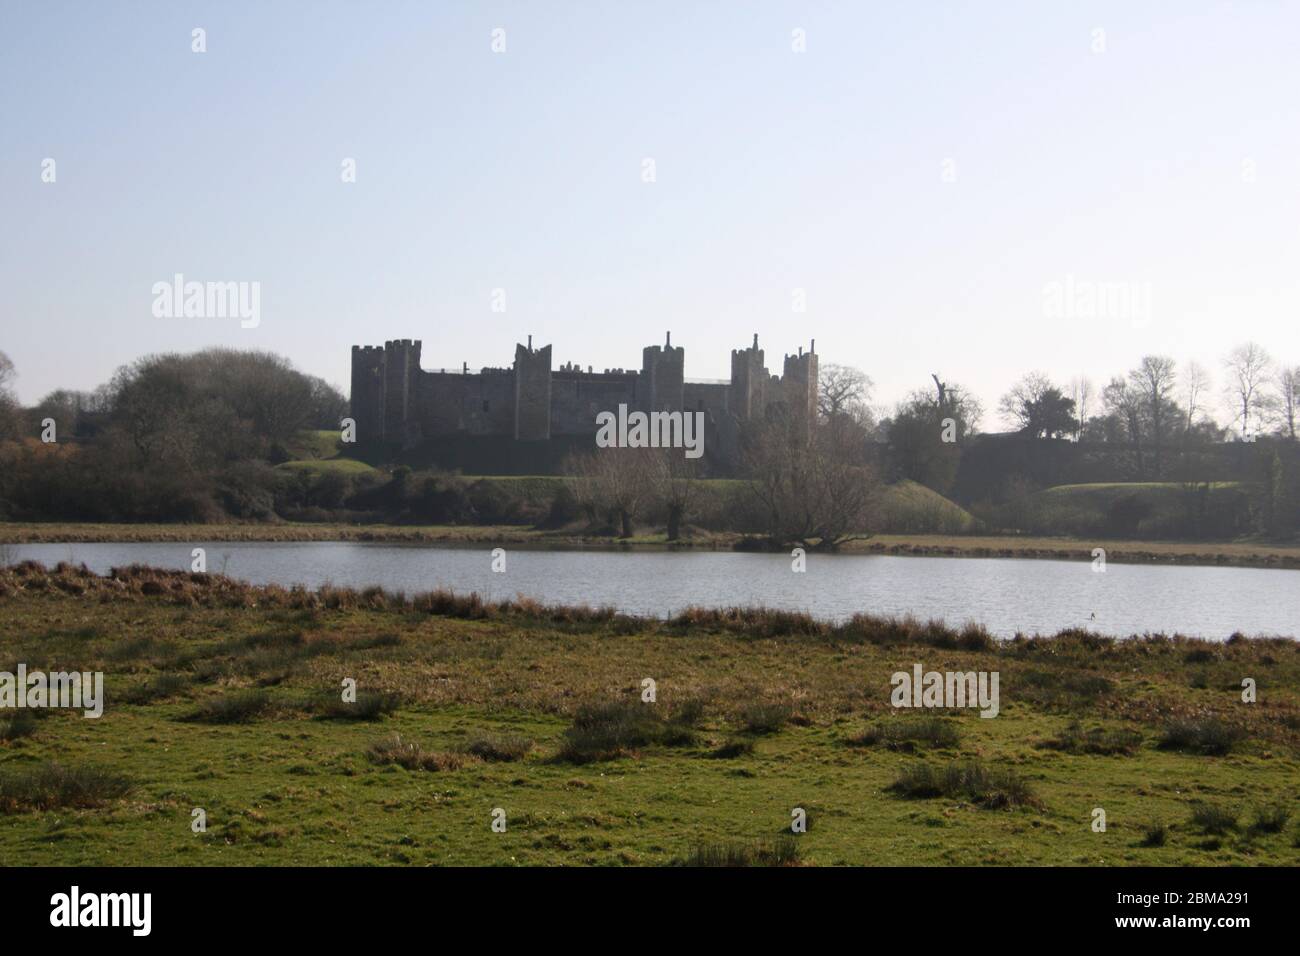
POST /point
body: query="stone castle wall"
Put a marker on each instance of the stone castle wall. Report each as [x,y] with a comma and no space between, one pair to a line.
[396,402]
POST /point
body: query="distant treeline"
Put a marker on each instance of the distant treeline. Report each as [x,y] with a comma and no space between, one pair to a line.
[170,438]
[223,434]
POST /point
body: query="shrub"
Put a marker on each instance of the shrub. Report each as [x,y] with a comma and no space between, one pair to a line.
[499,749]
[906,734]
[689,712]
[493,503]
[765,717]
[1271,818]
[55,785]
[617,729]
[1213,818]
[160,688]
[563,509]
[1126,513]
[753,622]
[411,756]
[448,604]
[1155,835]
[1061,689]
[602,732]
[205,672]
[21,724]
[1208,735]
[1097,740]
[369,705]
[236,708]
[971,780]
[734,748]
[783,851]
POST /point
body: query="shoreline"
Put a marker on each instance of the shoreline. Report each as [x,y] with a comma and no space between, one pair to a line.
[213,590]
[1212,554]
[142,582]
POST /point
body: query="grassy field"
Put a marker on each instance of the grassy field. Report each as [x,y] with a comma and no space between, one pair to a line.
[1150,509]
[348,467]
[309,445]
[1246,553]
[519,535]
[226,698]
[904,506]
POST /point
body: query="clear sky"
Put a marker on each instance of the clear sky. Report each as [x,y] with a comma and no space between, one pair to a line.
[924,172]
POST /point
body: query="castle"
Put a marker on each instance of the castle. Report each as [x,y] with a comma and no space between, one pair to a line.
[395,402]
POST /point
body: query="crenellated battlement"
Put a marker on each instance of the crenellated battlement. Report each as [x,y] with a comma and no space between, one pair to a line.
[395,401]
[663,376]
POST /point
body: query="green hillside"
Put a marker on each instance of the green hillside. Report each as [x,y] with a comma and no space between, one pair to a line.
[349,467]
[909,507]
[1151,509]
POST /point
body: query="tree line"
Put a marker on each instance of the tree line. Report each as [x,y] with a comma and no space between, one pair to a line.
[195,437]
[169,437]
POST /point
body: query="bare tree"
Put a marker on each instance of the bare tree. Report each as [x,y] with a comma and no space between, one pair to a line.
[1038,408]
[953,402]
[1288,397]
[1083,393]
[1125,403]
[1016,406]
[1196,385]
[843,391]
[8,403]
[1154,380]
[672,480]
[815,495]
[611,483]
[1248,367]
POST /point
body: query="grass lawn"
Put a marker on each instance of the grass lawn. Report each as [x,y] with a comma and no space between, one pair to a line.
[316,444]
[320,466]
[226,698]
[1255,553]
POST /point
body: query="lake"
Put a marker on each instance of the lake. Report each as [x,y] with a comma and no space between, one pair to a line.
[1006,595]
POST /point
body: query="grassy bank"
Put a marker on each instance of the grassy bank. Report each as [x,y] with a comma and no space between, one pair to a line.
[1153,510]
[226,697]
[1245,553]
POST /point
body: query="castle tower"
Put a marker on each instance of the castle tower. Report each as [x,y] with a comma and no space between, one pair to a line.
[369,377]
[402,367]
[532,392]
[748,381]
[663,378]
[799,387]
